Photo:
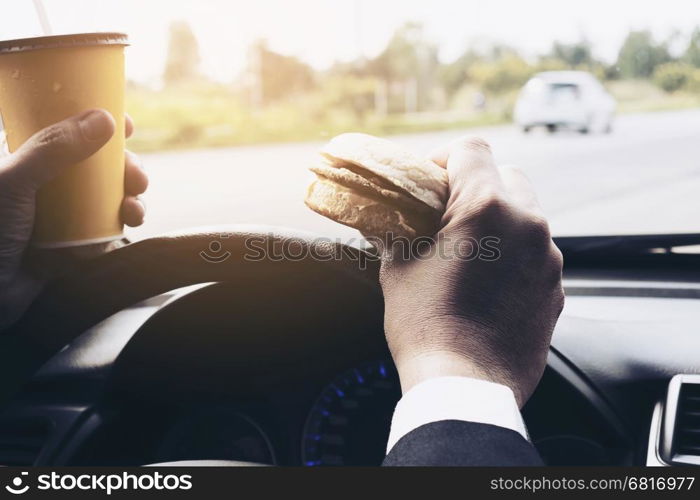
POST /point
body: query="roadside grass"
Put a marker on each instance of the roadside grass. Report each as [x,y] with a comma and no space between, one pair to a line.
[636,96]
[205,116]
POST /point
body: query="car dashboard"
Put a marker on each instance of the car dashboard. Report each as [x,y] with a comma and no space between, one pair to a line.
[299,374]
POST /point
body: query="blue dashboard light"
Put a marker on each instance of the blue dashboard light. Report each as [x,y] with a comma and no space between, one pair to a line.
[345,406]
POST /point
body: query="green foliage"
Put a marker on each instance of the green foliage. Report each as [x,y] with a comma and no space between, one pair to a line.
[349,92]
[574,54]
[672,76]
[404,89]
[456,74]
[408,56]
[405,56]
[183,55]
[196,116]
[552,64]
[692,53]
[644,96]
[507,73]
[640,55]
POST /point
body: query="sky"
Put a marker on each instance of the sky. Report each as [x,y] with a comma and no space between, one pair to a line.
[321,31]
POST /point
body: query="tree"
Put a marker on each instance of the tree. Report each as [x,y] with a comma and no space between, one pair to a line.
[401,58]
[675,76]
[692,53]
[672,76]
[640,55]
[346,90]
[508,72]
[277,75]
[454,75]
[573,54]
[408,58]
[182,63]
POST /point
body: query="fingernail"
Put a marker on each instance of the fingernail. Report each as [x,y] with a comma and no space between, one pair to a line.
[96,125]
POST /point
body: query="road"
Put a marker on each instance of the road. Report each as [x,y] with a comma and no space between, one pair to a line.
[642,178]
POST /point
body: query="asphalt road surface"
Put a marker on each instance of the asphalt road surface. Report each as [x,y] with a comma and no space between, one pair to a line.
[644,177]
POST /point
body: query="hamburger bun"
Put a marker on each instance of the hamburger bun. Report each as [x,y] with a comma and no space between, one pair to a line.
[375,186]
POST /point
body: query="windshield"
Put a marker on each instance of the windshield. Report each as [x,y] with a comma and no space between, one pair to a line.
[598,102]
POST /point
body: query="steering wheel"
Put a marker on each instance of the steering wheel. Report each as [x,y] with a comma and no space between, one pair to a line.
[93,290]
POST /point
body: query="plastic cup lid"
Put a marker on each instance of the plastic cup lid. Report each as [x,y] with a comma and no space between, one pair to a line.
[63,41]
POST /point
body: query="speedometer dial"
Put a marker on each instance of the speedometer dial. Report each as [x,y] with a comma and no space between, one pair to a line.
[349,422]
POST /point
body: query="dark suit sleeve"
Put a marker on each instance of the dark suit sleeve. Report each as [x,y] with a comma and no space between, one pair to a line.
[459,443]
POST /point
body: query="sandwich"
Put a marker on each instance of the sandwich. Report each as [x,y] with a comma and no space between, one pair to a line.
[377,187]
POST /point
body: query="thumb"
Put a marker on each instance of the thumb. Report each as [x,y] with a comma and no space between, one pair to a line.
[51,150]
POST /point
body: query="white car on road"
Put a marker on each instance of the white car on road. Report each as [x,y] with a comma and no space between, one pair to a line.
[566,99]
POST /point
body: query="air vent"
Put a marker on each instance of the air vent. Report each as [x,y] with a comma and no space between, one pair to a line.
[22,440]
[681,427]
[687,435]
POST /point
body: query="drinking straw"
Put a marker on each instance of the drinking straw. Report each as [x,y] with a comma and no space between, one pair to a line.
[43,18]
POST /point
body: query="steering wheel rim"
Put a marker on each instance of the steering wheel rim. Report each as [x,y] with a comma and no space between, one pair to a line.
[94,290]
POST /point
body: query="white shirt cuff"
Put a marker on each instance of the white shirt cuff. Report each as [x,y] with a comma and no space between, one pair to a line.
[455,398]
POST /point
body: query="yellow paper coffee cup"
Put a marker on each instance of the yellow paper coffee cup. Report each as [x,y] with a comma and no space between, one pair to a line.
[45,80]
